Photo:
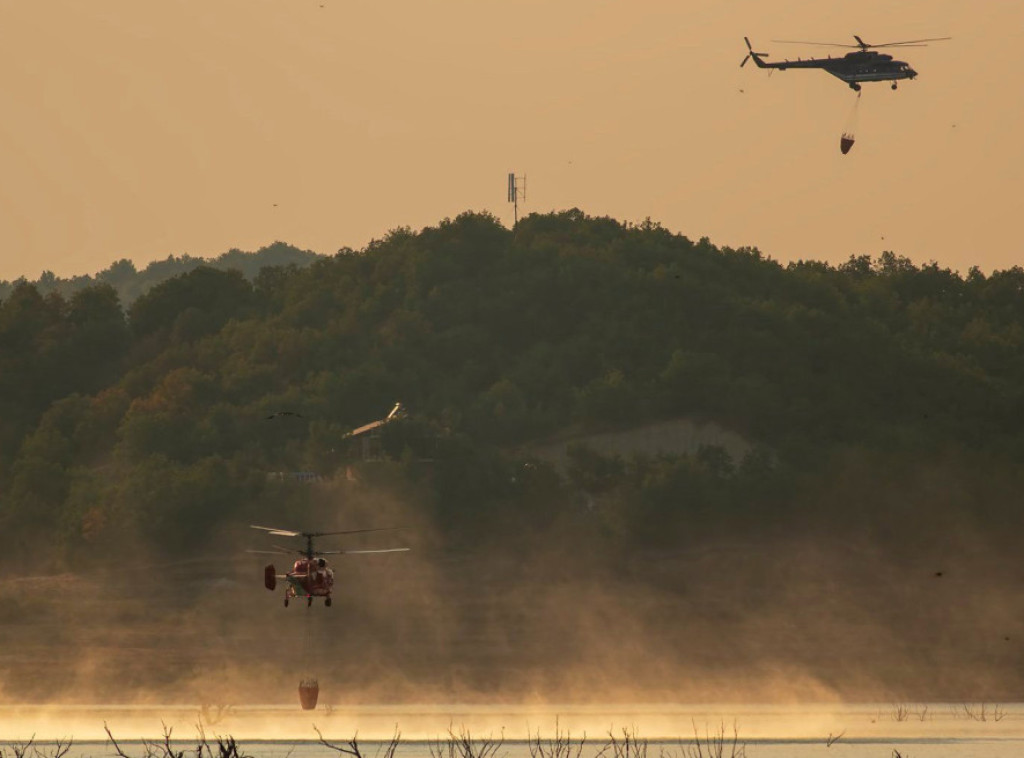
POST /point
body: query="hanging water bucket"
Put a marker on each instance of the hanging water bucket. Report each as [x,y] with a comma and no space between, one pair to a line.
[309,691]
[845,143]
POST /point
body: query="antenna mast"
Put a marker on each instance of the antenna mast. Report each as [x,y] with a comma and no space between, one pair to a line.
[516,192]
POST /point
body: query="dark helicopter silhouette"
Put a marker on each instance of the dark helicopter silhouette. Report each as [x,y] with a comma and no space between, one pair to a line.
[864,65]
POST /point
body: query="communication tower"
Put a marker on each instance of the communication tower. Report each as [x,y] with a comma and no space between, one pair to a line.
[516,192]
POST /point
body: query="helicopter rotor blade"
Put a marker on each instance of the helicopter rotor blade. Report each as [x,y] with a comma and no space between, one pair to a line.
[291,533]
[362,552]
[901,45]
[744,63]
[353,531]
[862,45]
[278,532]
[269,552]
[820,44]
[912,42]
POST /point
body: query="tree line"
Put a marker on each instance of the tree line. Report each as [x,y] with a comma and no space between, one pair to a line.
[858,385]
[130,282]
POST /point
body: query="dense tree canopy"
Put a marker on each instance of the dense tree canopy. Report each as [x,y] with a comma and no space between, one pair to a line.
[153,420]
[130,282]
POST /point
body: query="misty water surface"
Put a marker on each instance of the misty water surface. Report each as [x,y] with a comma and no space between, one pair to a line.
[936,730]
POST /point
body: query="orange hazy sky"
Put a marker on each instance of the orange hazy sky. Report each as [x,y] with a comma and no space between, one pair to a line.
[143,128]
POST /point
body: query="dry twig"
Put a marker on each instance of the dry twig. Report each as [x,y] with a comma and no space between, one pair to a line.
[464,745]
[227,747]
[386,750]
[715,745]
[19,749]
[117,748]
[980,712]
[561,745]
[163,749]
[630,745]
[830,741]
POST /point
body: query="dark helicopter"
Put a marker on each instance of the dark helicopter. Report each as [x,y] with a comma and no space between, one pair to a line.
[864,65]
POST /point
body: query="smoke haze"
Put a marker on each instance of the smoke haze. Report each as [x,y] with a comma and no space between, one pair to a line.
[526,618]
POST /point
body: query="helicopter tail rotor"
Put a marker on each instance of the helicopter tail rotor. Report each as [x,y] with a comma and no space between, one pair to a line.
[752,54]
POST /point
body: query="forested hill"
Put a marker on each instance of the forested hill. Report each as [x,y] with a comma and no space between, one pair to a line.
[129,282]
[860,386]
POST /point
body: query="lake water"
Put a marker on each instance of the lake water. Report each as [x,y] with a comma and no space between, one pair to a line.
[934,730]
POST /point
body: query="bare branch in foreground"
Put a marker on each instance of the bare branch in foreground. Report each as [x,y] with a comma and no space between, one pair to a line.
[715,744]
[561,745]
[19,749]
[832,740]
[117,748]
[385,750]
[352,748]
[630,745]
[464,745]
[62,748]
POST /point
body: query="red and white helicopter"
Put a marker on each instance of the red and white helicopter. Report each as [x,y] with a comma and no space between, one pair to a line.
[310,575]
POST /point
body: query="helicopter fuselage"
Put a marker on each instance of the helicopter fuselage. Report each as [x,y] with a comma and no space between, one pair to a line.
[309,578]
[853,68]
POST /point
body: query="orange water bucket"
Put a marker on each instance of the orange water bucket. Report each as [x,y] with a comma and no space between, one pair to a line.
[309,691]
